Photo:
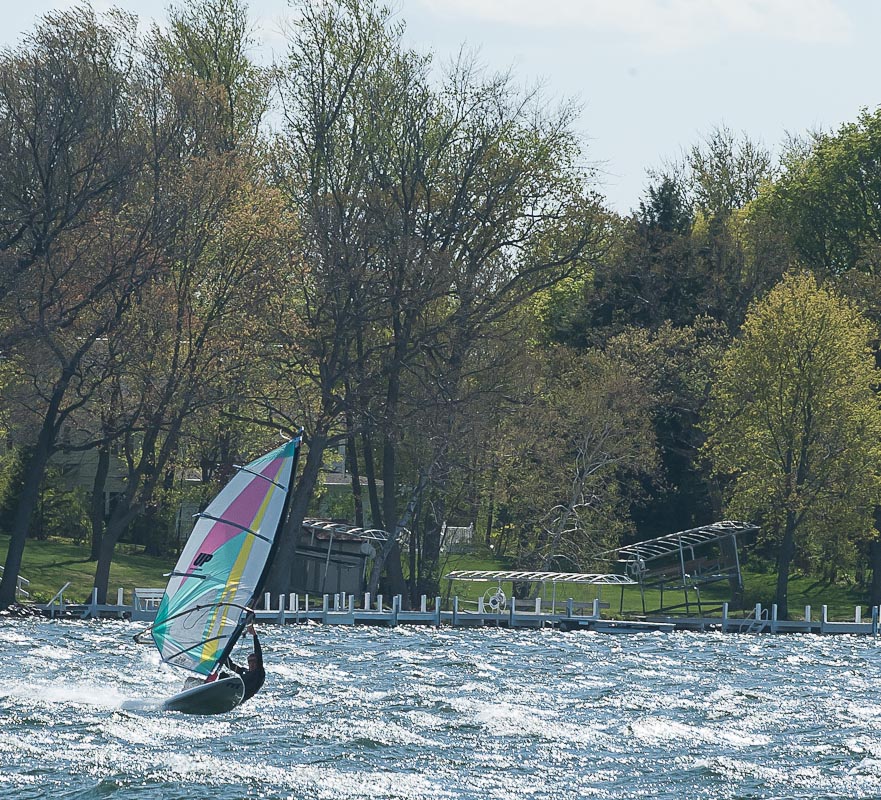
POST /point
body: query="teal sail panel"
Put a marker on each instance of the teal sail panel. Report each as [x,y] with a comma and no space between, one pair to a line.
[224,563]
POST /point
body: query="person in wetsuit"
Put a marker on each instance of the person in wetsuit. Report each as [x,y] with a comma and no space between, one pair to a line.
[252,675]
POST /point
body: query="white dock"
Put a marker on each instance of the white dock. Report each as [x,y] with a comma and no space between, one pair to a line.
[568,615]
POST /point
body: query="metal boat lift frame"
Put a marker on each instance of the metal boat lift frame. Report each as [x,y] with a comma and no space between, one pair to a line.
[644,561]
[543,578]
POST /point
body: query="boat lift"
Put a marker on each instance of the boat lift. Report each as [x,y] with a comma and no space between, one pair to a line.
[685,561]
[496,599]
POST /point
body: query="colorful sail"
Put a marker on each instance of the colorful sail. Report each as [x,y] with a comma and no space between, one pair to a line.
[223,566]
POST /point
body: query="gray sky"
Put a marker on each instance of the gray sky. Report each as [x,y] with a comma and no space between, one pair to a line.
[653,76]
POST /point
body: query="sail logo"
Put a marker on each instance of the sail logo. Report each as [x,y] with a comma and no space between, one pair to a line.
[202,558]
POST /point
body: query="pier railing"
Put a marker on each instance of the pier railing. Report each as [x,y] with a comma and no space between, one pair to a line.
[21,585]
[347,609]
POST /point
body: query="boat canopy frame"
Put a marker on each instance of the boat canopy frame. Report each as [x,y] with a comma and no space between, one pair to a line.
[522,576]
[543,578]
[672,562]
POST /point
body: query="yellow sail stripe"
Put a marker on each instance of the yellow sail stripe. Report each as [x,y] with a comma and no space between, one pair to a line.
[221,612]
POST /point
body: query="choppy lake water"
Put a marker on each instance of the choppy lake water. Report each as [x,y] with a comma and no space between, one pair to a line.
[422,713]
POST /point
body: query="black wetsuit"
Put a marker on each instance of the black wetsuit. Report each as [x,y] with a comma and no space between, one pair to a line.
[252,678]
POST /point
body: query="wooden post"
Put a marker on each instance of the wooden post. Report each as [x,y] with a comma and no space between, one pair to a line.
[455,610]
[437,612]
[480,605]
[774,618]
[807,613]
[379,602]
[858,614]
[307,603]
[351,604]
[281,609]
[119,596]
[538,605]
[724,617]
[513,610]
[569,607]
[267,602]
[824,618]
[367,601]
[596,608]
[423,604]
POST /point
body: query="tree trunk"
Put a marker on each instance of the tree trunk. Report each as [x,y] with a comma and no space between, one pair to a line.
[96,506]
[357,496]
[281,576]
[27,503]
[875,561]
[105,559]
[490,512]
[122,515]
[372,491]
[787,551]
[728,547]
[875,556]
[391,562]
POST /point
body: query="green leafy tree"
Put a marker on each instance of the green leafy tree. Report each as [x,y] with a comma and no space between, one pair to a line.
[828,198]
[794,421]
[675,365]
[426,215]
[582,428]
[73,253]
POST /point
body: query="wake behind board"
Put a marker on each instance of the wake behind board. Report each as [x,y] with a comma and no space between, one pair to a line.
[217,697]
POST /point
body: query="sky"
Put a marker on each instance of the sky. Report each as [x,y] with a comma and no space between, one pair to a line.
[652,77]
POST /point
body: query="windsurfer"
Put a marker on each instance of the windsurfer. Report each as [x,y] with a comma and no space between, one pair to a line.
[253,675]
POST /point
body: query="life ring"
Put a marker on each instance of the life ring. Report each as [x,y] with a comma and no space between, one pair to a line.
[495,599]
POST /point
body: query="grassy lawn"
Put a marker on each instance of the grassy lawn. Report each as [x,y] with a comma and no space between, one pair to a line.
[759,587]
[48,565]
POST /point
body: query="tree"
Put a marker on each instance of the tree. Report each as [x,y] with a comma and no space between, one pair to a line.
[826,206]
[209,40]
[186,347]
[484,206]
[72,255]
[725,172]
[828,198]
[674,366]
[794,422]
[581,428]
[426,215]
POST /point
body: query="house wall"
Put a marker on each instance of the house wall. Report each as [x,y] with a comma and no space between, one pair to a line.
[315,574]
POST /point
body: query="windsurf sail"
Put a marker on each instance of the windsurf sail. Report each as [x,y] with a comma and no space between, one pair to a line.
[224,564]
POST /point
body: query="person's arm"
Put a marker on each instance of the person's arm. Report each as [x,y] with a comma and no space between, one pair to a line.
[258,651]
